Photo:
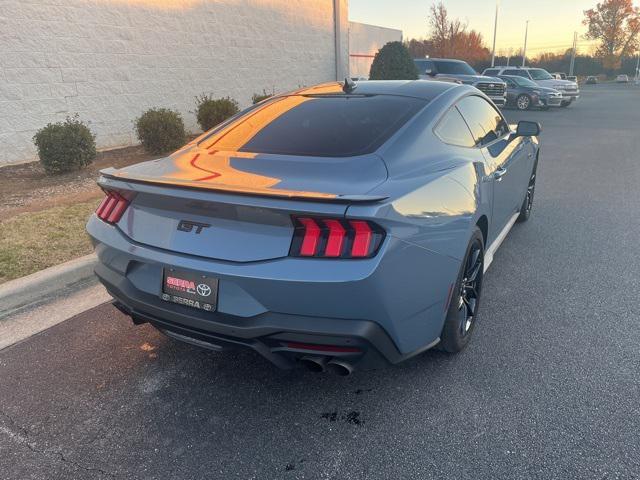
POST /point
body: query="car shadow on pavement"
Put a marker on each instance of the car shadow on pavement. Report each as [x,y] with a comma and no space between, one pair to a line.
[119,397]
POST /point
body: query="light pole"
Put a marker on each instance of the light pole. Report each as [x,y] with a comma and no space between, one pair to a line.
[524,52]
[495,32]
[573,53]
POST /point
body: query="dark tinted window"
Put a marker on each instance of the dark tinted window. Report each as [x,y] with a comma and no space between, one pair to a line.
[491,72]
[329,125]
[453,130]
[485,122]
[423,66]
[539,74]
[517,72]
[454,68]
[522,81]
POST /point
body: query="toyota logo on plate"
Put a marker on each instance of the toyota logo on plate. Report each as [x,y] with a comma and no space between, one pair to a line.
[203,290]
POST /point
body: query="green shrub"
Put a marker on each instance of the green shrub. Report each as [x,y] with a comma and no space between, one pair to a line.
[393,62]
[211,111]
[258,97]
[65,146]
[160,130]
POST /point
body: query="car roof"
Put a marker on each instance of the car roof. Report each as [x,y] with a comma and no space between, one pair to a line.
[424,89]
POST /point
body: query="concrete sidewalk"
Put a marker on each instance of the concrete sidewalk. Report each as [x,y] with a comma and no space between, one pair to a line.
[40,287]
[30,321]
[31,304]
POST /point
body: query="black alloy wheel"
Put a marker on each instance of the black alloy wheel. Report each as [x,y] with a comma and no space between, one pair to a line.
[465,299]
[527,205]
[471,284]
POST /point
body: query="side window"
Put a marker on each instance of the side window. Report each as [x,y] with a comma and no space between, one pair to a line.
[520,73]
[485,122]
[431,66]
[453,130]
[492,72]
[510,83]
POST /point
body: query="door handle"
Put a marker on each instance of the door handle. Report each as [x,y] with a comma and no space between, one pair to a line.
[499,173]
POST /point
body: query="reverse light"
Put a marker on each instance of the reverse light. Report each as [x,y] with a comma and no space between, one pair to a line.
[112,207]
[335,238]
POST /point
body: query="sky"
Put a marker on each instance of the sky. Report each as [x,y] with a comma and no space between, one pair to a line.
[551,22]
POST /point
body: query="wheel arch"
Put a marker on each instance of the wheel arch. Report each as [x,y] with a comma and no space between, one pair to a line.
[483,225]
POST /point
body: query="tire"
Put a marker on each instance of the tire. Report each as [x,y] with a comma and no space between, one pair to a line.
[565,104]
[527,204]
[523,102]
[465,299]
[544,109]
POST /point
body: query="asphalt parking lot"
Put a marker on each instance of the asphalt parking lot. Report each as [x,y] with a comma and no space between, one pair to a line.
[548,389]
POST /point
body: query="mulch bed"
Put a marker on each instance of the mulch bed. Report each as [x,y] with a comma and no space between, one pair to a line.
[28,188]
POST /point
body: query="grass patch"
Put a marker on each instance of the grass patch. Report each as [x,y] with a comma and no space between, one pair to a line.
[33,241]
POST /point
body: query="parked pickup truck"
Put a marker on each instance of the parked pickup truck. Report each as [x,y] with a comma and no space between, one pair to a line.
[570,91]
[458,70]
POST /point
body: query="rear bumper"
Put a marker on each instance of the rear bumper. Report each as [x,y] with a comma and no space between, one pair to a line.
[266,305]
[277,337]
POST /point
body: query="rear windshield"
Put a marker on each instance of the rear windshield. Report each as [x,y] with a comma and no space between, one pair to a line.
[321,125]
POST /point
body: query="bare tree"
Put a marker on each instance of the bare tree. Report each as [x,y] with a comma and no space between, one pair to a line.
[450,38]
[444,31]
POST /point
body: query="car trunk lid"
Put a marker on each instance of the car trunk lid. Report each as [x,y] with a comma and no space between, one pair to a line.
[286,176]
[235,207]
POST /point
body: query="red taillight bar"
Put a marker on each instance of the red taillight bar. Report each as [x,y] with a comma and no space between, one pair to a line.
[322,348]
[311,237]
[362,239]
[335,238]
[112,207]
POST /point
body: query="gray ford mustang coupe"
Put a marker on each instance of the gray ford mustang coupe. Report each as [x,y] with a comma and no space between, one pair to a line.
[340,226]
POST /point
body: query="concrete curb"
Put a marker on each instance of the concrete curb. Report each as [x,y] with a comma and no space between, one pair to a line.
[40,286]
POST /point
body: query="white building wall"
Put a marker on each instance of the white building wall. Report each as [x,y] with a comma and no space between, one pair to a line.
[364,42]
[109,60]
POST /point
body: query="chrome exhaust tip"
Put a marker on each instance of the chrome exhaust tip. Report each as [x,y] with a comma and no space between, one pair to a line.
[314,364]
[340,368]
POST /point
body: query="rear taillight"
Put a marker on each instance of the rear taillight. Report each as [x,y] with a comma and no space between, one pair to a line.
[322,348]
[335,238]
[112,207]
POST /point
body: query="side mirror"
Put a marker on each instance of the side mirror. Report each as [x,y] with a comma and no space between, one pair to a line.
[528,129]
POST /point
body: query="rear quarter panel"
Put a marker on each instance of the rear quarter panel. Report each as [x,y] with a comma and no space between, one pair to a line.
[436,194]
[428,232]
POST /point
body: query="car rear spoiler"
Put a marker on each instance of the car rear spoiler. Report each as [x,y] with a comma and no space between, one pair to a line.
[110,177]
